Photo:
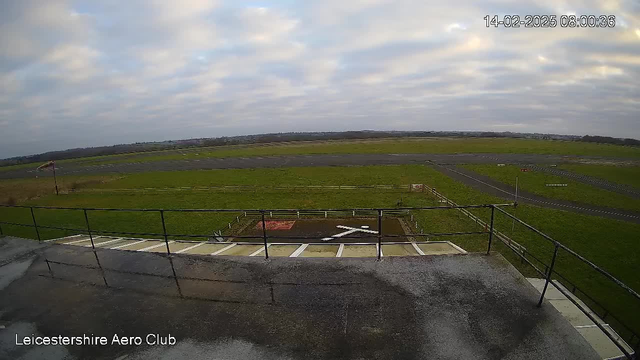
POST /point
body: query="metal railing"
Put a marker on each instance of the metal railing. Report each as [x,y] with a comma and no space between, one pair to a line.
[262,213]
[550,271]
[519,250]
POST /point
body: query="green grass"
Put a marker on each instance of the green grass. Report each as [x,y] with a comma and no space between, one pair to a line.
[19,190]
[626,175]
[373,146]
[611,244]
[535,182]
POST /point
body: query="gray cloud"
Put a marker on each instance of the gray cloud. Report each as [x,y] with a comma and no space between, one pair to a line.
[89,73]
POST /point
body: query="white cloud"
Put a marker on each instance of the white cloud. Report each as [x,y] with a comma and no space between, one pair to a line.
[155,69]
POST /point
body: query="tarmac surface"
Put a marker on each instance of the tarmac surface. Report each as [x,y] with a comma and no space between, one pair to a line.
[430,307]
[496,188]
[308,160]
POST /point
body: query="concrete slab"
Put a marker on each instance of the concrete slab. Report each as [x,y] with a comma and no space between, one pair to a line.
[320,251]
[600,342]
[551,294]
[435,307]
[123,244]
[241,250]
[360,251]
[70,239]
[120,242]
[571,312]
[206,249]
[597,339]
[137,245]
[437,248]
[173,247]
[399,250]
[107,242]
[282,250]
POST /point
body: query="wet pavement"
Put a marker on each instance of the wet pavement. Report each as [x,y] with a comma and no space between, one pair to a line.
[435,307]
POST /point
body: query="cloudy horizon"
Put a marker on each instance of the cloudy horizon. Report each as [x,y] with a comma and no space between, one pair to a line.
[102,72]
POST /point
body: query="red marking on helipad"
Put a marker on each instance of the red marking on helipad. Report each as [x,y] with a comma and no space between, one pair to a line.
[276,225]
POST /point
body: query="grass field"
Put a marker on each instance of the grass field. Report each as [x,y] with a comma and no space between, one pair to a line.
[535,182]
[625,175]
[610,244]
[375,146]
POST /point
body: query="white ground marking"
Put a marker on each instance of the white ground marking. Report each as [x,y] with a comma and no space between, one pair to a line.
[223,249]
[463,251]
[105,242]
[154,246]
[75,242]
[350,230]
[259,250]
[63,238]
[340,250]
[125,245]
[415,246]
[189,248]
[299,250]
[357,229]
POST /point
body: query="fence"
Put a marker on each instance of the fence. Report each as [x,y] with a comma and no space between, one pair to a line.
[261,213]
[527,257]
[407,188]
[548,273]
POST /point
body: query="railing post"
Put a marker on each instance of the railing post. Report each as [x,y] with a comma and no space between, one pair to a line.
[379,234]
[493,208]
[549,273]
[1,232]
[264,237]
[164,231]
[86,219]
[35,224]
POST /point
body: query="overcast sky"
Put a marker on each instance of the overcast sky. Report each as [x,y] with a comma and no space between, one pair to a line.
[101,72]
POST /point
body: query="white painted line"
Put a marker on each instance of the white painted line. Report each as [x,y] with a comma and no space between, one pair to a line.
[457,247]
[64,237]
[154,246]
[415,246]
[299,250]
[586,326]
[223,249]
[340,250]
[189,248]
[259,250]
[357,229]
[105,242]
[75,242]
[125,245]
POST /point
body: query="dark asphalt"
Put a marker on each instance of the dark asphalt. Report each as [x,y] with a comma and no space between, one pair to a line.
[303,161]
[429,307]
[496,188]
[590,180]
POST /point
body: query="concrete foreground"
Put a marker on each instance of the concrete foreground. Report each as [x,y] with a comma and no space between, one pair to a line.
[422,307]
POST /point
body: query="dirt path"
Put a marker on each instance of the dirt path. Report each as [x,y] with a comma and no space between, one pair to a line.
[496,188]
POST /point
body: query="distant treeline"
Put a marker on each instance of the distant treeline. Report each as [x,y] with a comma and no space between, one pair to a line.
[610,140]
[288,137]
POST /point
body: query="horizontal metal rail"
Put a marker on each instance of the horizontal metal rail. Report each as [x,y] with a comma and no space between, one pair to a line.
[580,257]
[259,211]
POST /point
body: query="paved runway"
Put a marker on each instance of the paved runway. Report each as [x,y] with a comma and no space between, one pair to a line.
[496,188]
[304,161]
